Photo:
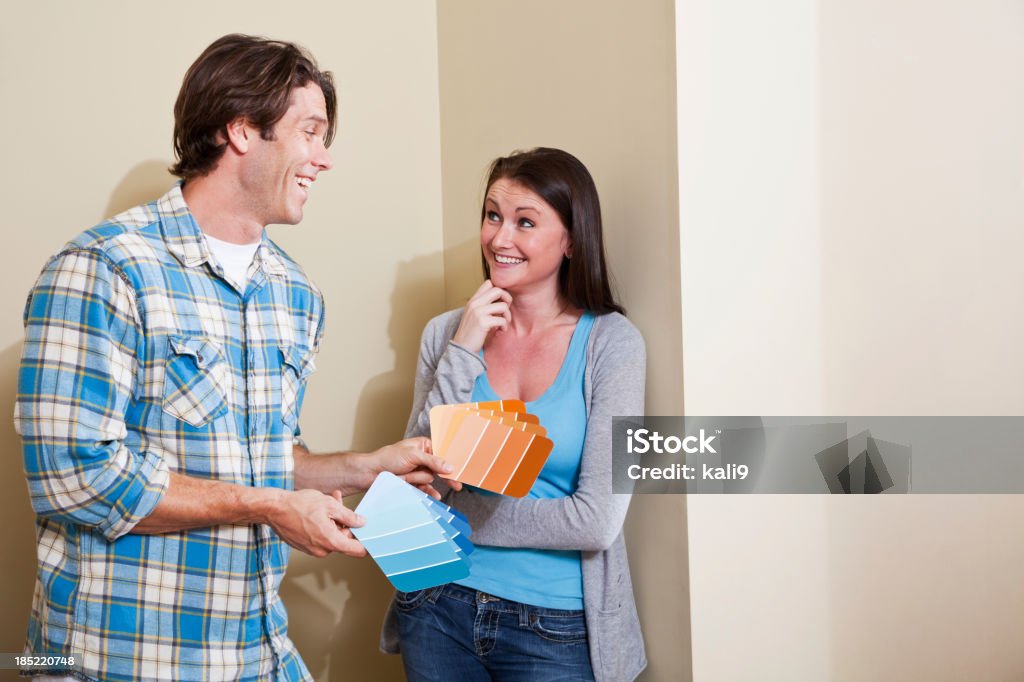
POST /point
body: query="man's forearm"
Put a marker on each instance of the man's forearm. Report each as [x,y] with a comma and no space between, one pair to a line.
[191,502]
[349,472]
[307,520]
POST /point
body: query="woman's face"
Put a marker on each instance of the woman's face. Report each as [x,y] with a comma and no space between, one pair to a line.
[523,239]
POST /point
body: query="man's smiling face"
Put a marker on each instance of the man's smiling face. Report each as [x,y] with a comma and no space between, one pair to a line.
[278,173]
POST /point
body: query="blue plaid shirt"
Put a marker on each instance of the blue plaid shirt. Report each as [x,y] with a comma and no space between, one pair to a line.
[141,359]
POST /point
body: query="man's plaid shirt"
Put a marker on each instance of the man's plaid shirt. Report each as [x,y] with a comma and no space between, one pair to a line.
[141,359]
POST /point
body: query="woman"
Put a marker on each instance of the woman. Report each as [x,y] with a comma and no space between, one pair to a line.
[549,596]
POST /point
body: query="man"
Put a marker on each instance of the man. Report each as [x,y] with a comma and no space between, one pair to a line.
[165,360]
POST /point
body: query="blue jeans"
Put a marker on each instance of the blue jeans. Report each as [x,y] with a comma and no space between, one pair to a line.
[452,632]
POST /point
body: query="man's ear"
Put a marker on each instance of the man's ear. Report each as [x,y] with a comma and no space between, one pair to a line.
[239,134]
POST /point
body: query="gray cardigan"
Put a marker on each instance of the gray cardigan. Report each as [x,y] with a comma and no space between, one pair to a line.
[589,520]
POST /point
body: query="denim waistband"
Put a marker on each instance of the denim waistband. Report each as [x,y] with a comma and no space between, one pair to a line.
[495,603]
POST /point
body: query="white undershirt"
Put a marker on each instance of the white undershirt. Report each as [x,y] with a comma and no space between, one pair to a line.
[234,258]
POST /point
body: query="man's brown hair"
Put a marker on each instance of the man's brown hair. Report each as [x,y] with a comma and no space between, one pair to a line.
[240,76]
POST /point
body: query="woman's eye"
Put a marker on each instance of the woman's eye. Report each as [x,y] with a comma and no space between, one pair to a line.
[493,217]
[523,222]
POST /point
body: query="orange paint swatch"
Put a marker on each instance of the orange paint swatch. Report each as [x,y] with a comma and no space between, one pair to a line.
[529,468]
[467,433]
[495,445]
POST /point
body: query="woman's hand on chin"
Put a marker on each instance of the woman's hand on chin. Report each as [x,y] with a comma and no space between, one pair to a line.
[486,311]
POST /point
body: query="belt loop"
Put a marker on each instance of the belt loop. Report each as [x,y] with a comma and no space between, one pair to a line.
[524,615]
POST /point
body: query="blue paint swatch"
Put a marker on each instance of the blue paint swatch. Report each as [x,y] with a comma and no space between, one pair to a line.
[417,541]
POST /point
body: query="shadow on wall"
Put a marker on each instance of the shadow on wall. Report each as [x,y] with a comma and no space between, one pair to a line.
[385,401]
[142,184]
[336,605]
[463,272]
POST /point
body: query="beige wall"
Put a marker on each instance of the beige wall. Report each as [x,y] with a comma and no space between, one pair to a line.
[94,88]
[89,90]
[851,191]
[596,79]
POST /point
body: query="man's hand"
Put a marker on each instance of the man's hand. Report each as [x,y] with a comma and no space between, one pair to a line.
[412,460]
[315,523]
[353,472]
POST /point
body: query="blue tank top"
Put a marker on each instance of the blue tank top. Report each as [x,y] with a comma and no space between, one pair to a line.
[544,577]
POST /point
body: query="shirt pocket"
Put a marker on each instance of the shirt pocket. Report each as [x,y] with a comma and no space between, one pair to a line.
[296,365]
[195,378]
